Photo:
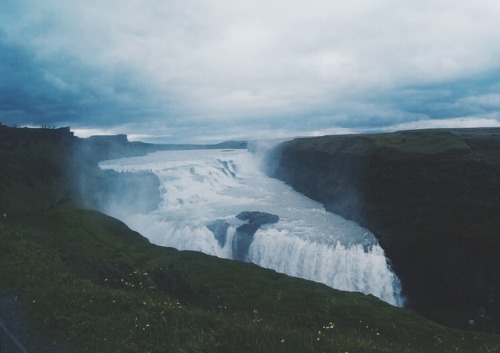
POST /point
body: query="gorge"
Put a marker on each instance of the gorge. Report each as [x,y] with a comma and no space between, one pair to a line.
[219,202]
[73,279]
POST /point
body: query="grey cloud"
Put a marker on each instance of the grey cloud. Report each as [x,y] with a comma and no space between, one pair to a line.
[188,69]
[472,95]
[64,91]
[23,89]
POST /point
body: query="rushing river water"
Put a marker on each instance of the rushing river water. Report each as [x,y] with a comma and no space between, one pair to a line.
[200,187]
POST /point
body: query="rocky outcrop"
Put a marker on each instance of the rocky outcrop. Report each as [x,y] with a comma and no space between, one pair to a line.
[219,228]
[109,191]
[244,233]
[431,197]
[105,147]
[258,218]
[121,192]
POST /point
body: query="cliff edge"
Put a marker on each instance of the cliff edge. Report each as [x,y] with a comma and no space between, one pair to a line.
[431,197]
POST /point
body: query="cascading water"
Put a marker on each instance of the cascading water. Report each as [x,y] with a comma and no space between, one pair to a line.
[203,192]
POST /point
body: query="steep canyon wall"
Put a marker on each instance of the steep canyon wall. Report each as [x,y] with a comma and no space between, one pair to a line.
[431,197]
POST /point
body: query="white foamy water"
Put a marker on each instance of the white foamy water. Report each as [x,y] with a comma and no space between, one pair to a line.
[202,186]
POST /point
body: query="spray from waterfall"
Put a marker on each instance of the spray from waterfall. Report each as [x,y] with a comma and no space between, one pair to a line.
[220,202]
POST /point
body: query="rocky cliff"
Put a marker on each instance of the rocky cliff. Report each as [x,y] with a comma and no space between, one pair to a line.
[431,197]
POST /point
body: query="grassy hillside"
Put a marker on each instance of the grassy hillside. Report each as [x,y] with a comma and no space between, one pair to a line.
[431,197]
[85,282]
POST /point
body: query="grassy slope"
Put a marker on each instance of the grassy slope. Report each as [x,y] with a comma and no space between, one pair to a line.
[95,285]
[91,284]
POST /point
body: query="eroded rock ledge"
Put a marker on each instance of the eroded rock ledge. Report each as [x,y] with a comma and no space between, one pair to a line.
[244,233]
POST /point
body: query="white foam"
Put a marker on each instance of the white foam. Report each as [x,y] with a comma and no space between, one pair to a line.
[201,186]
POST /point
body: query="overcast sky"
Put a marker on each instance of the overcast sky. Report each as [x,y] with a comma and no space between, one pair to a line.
[213,70]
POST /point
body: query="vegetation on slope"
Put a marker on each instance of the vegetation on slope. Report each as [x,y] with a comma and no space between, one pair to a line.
[93,285]
[90,284]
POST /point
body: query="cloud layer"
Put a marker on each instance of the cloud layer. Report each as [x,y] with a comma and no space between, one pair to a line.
[206,70]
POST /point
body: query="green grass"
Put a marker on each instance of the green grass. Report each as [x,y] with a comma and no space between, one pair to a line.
[94,285]
[404,142]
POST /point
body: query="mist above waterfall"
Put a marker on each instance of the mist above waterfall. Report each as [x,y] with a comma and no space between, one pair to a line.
[202,193]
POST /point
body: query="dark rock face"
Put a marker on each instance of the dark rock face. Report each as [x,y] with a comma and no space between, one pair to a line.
[242,240]
[219,228]
[110,191]
[432,198]
[259,218]
[244,233]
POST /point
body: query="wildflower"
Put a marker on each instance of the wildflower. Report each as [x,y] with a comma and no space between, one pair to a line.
[330,326]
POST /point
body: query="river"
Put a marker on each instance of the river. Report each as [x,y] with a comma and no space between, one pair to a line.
[200,187]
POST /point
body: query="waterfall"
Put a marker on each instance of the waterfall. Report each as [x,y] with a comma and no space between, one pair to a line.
[204,192]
